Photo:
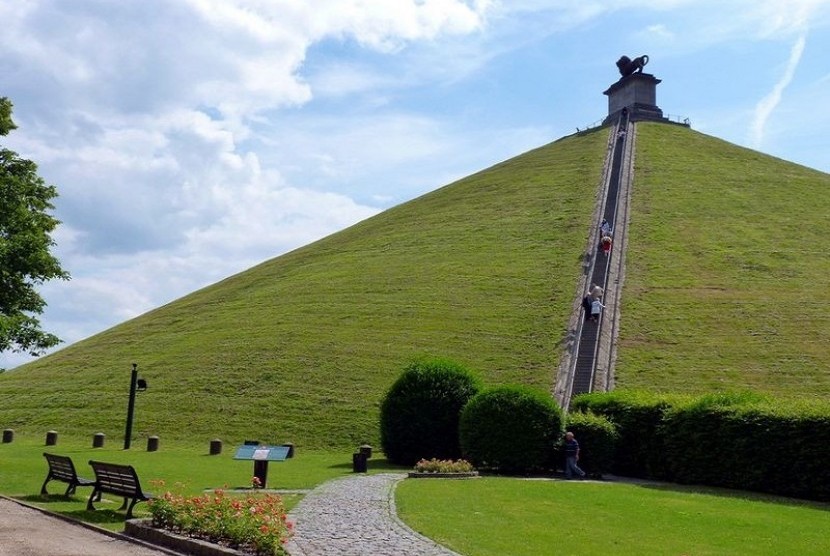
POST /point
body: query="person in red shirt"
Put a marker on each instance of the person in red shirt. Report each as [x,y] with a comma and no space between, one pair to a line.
[606,243]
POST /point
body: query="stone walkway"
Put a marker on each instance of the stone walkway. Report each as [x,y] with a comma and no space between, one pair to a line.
[355,516]
[26,531]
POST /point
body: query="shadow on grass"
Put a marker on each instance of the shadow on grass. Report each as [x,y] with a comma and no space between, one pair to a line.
[374,465]
[341,466]
[50,498]
[74,508]
[730,493]
[99,517]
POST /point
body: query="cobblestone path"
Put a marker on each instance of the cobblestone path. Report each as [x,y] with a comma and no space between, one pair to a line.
[355,516]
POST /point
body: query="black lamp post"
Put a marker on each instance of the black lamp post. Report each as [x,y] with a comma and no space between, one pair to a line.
[136,385]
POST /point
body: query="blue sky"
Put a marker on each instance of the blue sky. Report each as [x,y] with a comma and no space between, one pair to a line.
[192,139]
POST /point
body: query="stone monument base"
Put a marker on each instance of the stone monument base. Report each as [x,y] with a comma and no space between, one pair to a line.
[636,93]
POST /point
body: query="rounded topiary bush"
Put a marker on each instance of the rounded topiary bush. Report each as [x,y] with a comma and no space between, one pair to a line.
[419,415]
[597,437]
[510,429]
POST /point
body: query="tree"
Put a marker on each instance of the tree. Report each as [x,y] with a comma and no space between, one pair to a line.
[25,259]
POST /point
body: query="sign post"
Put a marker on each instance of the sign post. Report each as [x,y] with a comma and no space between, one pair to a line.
[261,455]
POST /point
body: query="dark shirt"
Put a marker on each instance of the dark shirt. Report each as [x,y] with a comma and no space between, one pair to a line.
[571,448]
[586,302]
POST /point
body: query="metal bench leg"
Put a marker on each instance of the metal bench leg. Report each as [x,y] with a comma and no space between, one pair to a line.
[89,505]
[124,504]
[130,510]
[69,490]
[43,488]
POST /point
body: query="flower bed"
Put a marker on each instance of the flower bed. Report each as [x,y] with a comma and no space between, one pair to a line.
[443,469]
[419,475]
[253,524]
[142,529]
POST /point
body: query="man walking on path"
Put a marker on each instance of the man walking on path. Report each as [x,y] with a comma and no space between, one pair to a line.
[572,456]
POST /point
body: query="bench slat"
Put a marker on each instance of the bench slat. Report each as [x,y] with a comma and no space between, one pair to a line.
[62,469]
[120,480]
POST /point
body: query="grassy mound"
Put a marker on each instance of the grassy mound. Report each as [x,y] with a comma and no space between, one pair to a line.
[302,348]
[726,269]
[723,291]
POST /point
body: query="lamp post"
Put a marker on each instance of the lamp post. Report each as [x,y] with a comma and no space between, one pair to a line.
[136,385]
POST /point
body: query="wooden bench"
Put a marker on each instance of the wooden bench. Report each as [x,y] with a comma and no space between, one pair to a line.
[117,479]
[62,469]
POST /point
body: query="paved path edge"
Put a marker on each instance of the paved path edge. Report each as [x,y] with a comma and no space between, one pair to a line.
[91,527]
[393,514]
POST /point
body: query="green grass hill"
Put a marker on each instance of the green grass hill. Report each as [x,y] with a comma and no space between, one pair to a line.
[724,289]
[302,347]
[727,270]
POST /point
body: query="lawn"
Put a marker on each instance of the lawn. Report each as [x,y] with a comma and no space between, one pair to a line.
[479,517]
[497,516]
[183,468]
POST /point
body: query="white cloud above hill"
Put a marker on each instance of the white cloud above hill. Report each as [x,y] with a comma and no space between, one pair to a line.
[192,139]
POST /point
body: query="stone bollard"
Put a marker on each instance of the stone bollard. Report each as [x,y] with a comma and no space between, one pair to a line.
[359,462]
[8,435]
[366,450]
[251,443]
[153,444]
[215,447]
[51,438]
[290,446]
[98,440]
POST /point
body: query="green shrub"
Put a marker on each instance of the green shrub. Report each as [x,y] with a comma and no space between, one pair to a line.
[739,440]
[419,415]
[637,415]
[510,429]
[597,437]
[698,436]
[776,447]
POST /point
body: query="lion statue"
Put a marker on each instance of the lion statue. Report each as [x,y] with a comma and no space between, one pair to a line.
[627,66]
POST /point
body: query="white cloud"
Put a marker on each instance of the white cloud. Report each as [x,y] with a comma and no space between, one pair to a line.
[191,139]
[766,106]
[141,116]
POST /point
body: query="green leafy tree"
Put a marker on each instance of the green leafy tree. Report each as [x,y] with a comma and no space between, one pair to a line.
[25,259]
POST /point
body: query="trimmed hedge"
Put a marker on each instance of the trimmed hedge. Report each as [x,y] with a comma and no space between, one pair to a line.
[419,415]
[768,447]
[735,440]
[510,429]
[637,415]
[597,437]
[697,424]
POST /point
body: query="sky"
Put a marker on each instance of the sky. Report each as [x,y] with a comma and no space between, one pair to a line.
[192,139]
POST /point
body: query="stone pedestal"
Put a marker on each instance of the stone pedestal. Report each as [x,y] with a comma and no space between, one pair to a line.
[153,444]
[215,447]
[636,93]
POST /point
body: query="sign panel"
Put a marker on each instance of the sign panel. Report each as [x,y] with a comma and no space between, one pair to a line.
[262,453]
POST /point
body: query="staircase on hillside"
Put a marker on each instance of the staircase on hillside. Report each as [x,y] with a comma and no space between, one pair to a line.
[592,341]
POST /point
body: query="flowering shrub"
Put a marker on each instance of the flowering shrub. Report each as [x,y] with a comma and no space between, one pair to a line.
[256,482]
[443,466]
[253,523]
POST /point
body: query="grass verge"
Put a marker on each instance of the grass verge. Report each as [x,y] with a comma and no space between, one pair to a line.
[496,516]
